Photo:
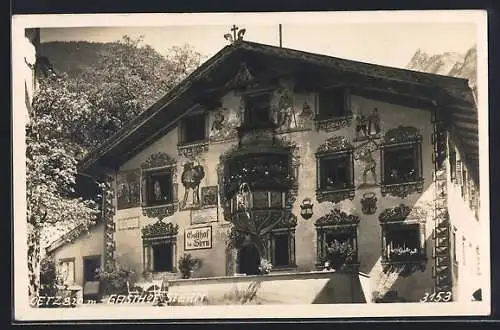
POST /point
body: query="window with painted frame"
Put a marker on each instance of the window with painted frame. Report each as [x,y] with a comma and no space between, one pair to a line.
[159,187]
[194,128]
[282,243]
[160,254]
[333,103]
[66,271]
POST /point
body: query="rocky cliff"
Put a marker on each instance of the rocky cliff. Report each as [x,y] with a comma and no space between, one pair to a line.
[449,64]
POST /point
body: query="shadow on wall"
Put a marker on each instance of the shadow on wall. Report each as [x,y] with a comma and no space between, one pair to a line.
[369,262]
[338,293]
[409,286]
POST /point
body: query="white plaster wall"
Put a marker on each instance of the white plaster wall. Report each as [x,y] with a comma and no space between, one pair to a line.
[90,244]
[468,230]
[129,244]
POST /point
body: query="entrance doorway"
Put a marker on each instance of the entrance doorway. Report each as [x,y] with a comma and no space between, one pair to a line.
[248,260]
[90,265]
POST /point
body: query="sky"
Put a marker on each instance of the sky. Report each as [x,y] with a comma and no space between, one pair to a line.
[384,43]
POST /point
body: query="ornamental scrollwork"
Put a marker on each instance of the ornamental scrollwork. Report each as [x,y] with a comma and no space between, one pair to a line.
[160,212]
[334,144]
[159,229]
[402,134]
[401,213]
[335,196]
[159,159]
[333,124]
[336,217]
[402,190]
[192,150]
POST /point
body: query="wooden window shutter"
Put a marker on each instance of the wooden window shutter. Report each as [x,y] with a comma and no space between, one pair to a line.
[459,172]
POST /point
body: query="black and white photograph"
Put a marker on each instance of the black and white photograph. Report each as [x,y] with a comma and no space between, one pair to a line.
[270,165]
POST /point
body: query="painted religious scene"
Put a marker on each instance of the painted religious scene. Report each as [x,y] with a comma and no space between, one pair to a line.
[275,175]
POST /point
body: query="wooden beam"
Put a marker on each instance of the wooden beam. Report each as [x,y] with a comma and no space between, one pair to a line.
[469,118]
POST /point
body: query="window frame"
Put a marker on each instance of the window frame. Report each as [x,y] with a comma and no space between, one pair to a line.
[421,253]
[183,128]
[65,260]
[335,194]
[402,137]
[148,252]
[345,112]
[321,237]
[290,233]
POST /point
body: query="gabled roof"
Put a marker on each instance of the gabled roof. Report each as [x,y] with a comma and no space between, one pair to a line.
[267,62]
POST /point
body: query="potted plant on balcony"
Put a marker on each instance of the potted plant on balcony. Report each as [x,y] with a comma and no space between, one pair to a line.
[339,254]
[188,264]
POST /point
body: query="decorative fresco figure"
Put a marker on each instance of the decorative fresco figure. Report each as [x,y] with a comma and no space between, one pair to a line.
[191,178]
[370,166]
[240,113]
[218,123]
[157,191]
[286,112]
[374,120]
[124,192]
[361,125]
[307,113]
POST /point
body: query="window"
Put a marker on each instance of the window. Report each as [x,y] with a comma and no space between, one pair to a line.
[162,257]
[455,260]
[67,271]
[337,246]
[262,200]
[403,242]
[283,249]
[194,128]
[401,164]
[332,103]
[257,109]
[159,241]
[464,182]
[453,160]
[336,172]
[159,187]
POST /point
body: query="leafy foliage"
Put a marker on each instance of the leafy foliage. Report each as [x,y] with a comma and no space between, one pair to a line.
[75,112]
[339,253]
[188,264]
[114,281]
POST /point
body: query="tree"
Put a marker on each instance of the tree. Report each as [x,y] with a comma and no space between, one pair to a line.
[53,140]
[74,113]
[126,78]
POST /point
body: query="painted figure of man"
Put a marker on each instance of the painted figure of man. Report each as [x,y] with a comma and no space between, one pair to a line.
[361,123]
[286,113]
[370,166]
[374,120]
[157,190]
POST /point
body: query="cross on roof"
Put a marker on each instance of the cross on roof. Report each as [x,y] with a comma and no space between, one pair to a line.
[234,29]
[237,35]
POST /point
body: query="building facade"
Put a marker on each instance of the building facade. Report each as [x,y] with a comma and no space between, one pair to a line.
[266,152]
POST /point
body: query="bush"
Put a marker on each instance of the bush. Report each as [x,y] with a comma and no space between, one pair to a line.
[188,264]
[115,281]
[338,254]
